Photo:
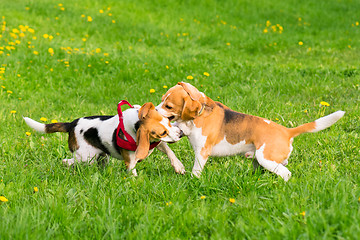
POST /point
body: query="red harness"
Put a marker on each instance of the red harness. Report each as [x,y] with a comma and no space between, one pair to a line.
[128,144]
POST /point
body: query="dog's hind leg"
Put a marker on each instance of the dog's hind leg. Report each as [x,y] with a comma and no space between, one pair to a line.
[271,165]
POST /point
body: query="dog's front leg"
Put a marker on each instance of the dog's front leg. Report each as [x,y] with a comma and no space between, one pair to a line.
[201,157]
[175,162]
[130,161]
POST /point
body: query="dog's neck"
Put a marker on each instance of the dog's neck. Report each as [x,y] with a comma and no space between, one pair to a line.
[130,119]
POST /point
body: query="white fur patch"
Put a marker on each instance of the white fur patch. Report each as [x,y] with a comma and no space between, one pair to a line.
[224,148]
[267,121]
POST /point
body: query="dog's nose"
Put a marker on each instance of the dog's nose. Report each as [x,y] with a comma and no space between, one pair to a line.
[181,133]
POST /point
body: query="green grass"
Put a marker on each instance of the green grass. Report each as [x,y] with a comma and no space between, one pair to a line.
[265,74]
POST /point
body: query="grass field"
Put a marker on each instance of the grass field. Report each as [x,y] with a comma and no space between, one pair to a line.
[61,60]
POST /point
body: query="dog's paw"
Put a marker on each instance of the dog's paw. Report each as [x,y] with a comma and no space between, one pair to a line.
[196,173]
[68,162]
[134,172]
[180,169]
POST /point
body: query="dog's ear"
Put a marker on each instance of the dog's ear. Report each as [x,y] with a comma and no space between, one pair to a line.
[144,110]
[191,109]
[193,92]
[143,143]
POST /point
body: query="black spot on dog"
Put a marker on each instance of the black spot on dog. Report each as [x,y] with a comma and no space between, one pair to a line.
[233,116]
[137,125]
[81,131]
[101,118]
[92,137]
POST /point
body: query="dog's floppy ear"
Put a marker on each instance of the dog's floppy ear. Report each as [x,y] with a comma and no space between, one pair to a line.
[144,110]
[193,92]
[193,104]
[143,143]
[191,109]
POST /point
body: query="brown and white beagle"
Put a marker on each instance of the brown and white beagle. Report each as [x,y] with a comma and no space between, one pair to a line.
[215,130]
[93,137]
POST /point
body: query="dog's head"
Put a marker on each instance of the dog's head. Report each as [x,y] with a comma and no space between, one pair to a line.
[153,127]
[182,102]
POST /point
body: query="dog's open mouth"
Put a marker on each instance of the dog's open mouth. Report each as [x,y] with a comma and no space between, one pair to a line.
[171,118]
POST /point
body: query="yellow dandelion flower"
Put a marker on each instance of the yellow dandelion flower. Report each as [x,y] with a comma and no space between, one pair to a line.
[54,121]
[113,21]
[51,37]
[83,15]
[84,39]
[60,5]
[3,199]
[202,197]
[36,52]
[189,77]
[232,200]
[98,50]
[51,51]
[268,23]
[323,103]
[228,44]
[110,14]
[265,30]
[36,189]
[167,67]
[3,87]
[101,11]
[152,90]
[34,37]
[30,30]
[9,92]
[28,133]
[45,35]
[12,111]
[165,86]
[206,74]
[62,9]
[89,19]
[301,43]
[106,54]
[89,65]
[43,119]
[303,213]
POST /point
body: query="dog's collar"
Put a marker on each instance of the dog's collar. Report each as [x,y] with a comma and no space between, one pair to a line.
[202,109]
[129,143]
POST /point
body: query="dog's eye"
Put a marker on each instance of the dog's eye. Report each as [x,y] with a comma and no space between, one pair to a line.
[168,107]
[163,134]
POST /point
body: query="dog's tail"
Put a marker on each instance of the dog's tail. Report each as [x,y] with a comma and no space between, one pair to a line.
[48,128]
[317,125]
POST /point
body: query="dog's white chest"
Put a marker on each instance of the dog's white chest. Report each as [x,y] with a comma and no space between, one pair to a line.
[224,148]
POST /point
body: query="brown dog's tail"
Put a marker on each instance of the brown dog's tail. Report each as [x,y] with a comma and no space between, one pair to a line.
[317,125]
[48,128]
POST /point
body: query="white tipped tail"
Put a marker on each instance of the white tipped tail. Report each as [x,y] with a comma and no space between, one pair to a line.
[327,121]
[40,127]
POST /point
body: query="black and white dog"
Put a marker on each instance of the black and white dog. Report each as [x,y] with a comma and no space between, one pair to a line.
[94,137]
